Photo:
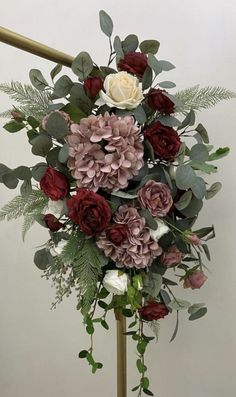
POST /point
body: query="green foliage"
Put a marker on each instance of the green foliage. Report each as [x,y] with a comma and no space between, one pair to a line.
[106,23]
[87,267]
[197,98]
[82,65]
[37,79]
[32,102]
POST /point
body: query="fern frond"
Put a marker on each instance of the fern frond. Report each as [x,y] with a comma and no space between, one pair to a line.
[70,251]
[6,114]
[32,101]
[87,268]
[30,207]
[197,98]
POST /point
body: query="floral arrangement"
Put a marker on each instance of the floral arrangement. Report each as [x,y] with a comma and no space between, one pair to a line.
[120,187]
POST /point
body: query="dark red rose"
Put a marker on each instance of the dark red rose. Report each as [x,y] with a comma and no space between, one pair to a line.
[54,184]
[153,311]
[164,140]
[133,62]
[117,233]
[157,100]
[52,222]
[92,86]
[90,211]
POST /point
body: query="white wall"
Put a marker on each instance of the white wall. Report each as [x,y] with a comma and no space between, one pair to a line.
[38,347]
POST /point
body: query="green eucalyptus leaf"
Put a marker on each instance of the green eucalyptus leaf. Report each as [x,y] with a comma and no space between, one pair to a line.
[140,114]
[130,43]
[169,121]
[147,78]
[167,84]
[166,66]
[42,258]
[82,65]
[26,188]
[124,195]
[55,71]
[52,157]
[185,177]
[176,327]
[150,221]
[179,304]
[33,122]
[184,200]
[63,86]
[41,144]
[22,173]
[106,23]
[193,208]
[199,188]
[203,133]
[206,251]
[37,79]
[148,392]
[213,190]
[56,126]
[39,170]
[64,153]
[189,120]
[9,180]
[199,153]
[198,314]
[207,168]
[154,64]
[152,284]
[79,99]
[195,307]
[149,46]
[3,170]
[118,48]
[13,126]
[74,112]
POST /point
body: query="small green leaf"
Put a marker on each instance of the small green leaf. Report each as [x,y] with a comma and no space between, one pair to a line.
[221,152]
[154,64]
[207,251]
[140,114]
[185,177]
[63,86]
[167,84]
[194,308]
[104,324]
[149,46]
[176,327]
[22,173]
[213,190]
[198,314]
[3,170]
[54,72]
[147,78]
[9,180]
[179,304]
[39,170]
[145,383]
[189,120]
[64,153]
[141,347]
[124,195]
[207,168]
[184,200]
[148,392]
[37,79]
[83,354]
[41,145]
[118,48]
[56,126]
[82,65]
[199,188]
[166,66]
[74,112]
[13,126]
[193,208]
[106,23]
[26,188]
[130,43]
[199,153]
[203,133]
[42,258]
[169,121]
[135,388]
[150,221]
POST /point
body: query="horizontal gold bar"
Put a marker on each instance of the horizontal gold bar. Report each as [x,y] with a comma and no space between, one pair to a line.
[34,47]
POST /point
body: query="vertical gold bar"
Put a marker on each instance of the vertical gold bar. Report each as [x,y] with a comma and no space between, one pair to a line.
[121,357]
[34,47]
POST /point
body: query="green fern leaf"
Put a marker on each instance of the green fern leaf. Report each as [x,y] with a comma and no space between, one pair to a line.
[87,268]
[197,98]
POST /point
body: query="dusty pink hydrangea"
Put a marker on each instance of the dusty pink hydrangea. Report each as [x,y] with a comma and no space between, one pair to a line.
[138,249]
[65,116]
[105,151]
[156,197]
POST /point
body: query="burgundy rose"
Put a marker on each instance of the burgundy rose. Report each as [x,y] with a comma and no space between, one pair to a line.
[195,280]
[157,100]
[54,184]
[153,311]
[52,222]
[117,233]
[133,62]
[156,197]
[164,140]
[92,86]
[90,211]
[173,256]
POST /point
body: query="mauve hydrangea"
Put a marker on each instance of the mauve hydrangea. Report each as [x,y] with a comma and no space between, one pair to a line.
[138,249]
[105,151]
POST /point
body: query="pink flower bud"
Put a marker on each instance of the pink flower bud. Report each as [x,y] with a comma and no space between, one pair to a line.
[195,280]
[193,239]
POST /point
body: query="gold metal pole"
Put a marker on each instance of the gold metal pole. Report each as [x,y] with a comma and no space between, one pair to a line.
[121,357]
[34,47]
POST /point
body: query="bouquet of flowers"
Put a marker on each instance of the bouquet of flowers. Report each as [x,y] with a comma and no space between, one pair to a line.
[120,186]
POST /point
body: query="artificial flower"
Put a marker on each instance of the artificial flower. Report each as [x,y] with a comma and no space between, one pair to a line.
[153,311]
[134,62]
[54,184]
[164,140]
[158,100]
[156,197]
[115,282]
[195,280]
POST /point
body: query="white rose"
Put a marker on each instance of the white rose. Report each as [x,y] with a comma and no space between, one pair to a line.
[115,282]
[122,91]
[57,249]
[55,208]
[160,231]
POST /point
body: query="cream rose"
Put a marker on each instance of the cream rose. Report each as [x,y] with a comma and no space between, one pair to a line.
[122,91]
[116,282]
